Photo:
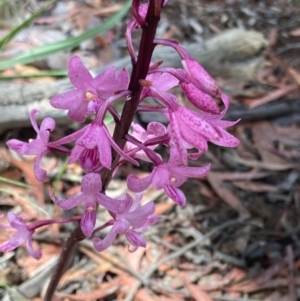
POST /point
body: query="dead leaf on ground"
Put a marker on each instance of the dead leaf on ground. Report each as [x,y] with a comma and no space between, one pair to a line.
[254,186]
[225,194]
[105,290]
[271,96]
[196,292]
[295,32]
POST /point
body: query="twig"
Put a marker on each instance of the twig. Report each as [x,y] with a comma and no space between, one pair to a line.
[291,276]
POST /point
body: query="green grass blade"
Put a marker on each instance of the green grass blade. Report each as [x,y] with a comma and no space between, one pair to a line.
[23,25]
[33,204]
[44,51]
[54,73]
[16,183]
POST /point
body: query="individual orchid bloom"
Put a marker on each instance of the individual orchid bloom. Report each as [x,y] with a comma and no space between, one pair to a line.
[89,92]
[200,78]
[93,147]
[156,85]
[225,139]
[130,219]
[189,129]
[199,99]
[39,146]
[173,77]
[196,74]
[154,130]
[158,82]
[168,176]
[23,235]
[90,195]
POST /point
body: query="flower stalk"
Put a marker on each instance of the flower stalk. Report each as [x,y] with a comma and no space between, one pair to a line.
[139,71]
[186,134]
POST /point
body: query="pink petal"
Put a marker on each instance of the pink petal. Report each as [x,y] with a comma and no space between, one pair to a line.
[226,139]
[174,157]
[200,99]
[101,245]
[33,119]
[108,82]
[91,183]
[37,254]
[135,239]
[165,81]
[16,221]
[156,128]
[6,246]
[175,194]
[104,148]
[122,79]
[105,78]
[78,73]
[196,122]
[161,176]
[121,226]
[36,147]
[70,203]
[18,146]
[200,78]
[79,113]
[139,217]
[177,139]
[190,172]
[69,100]
[40,173]
[47,126]
[226,124]
[136,184]
[110,204]
[135,202]
[193,138]
[76,152]
[88,220]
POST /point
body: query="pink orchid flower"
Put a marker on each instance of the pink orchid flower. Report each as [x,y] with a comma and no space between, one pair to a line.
[154,130]
[23,235]
[90,92]
[39,146]
[130,219]
[168,176]
[93,147]
[90,195]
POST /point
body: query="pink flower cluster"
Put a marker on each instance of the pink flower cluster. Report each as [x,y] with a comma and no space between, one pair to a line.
[186,134]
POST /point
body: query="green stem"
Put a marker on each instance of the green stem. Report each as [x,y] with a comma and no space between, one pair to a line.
[139,71]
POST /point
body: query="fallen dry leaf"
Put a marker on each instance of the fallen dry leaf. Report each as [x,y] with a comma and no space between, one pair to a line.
[225,194]
[254,186]
[196,292]
[295,32]
[105,290]
[271,96]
